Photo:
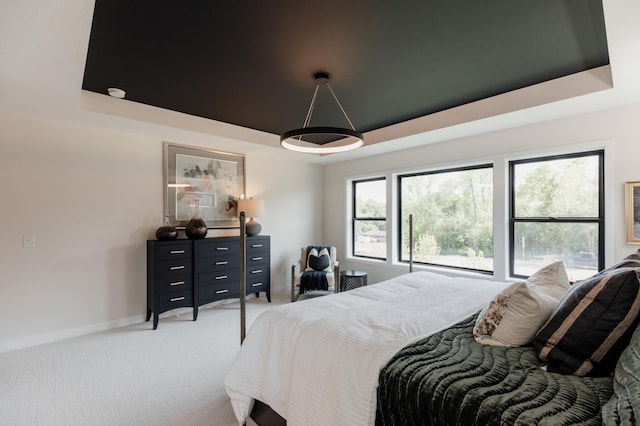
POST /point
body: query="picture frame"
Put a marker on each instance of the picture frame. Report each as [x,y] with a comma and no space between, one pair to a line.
[632,211]
[215,178]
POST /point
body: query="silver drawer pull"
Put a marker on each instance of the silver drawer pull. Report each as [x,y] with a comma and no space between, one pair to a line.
[177,283]
[177,299]
[256,285]
[222,262]
[222,248]
[222,291]
[222,277]
[256,245]
[176,268]
[256,258]
[176,252]
[257,271]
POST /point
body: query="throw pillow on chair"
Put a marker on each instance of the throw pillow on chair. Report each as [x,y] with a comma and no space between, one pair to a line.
[318,261]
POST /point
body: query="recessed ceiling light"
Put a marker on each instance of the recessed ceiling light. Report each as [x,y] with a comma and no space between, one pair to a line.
[116,93]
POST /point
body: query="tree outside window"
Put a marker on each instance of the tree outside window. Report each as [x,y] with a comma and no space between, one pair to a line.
[452,217]
[557,213]
[370,218]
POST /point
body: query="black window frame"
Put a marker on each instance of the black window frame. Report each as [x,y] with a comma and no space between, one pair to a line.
[355,218]
[399,178]
[600,220]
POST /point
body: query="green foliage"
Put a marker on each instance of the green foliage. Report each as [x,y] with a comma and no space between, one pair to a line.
[426,248]
[559,188]
[475,260]
[370,208]
[455,209]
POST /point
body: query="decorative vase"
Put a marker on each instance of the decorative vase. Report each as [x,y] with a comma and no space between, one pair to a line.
[196,228]
[252,228]
[167,231]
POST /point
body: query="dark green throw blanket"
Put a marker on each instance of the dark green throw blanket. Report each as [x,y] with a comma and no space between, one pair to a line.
[450,379]
[313,280]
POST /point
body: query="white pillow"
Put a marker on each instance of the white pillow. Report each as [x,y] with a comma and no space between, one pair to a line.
[551,280]
[516,314]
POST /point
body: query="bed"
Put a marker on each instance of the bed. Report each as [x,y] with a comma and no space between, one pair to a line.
[287,363]
[406,352]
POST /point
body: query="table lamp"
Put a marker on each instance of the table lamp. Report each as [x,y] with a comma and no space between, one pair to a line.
[252,208]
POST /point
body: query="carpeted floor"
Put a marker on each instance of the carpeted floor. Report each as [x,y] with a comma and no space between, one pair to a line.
[132,375]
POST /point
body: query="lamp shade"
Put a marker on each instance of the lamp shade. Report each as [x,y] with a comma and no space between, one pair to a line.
[251,207]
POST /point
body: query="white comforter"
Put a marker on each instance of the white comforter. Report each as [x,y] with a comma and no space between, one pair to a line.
[316,362]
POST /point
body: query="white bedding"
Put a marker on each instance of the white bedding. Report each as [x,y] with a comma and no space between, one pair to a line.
[316,362]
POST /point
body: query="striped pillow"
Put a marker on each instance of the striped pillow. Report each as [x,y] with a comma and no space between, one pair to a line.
[592,324]
[631,261]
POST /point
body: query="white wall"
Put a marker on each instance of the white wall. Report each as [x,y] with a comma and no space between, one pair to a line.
[92,196]
[620,127]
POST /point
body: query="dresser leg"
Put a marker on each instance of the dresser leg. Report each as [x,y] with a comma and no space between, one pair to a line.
[155,320]
[195,313]
[148,314]
[269,295]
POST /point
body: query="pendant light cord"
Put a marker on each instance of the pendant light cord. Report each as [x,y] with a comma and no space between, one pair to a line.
[340,105]
[307,120]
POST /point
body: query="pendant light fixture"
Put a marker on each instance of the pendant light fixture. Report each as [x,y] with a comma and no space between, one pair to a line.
[322,140]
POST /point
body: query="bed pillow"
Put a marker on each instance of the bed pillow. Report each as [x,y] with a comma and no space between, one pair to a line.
[318,261]
[551,280]
[592,324]
[631,261]
[516,314]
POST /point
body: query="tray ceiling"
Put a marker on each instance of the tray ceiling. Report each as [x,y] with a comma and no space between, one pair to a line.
[251,64]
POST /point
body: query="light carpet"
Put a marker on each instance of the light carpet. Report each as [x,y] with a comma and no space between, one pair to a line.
[132,375]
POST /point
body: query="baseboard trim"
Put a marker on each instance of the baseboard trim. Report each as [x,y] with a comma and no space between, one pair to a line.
[41,339]
[54,336]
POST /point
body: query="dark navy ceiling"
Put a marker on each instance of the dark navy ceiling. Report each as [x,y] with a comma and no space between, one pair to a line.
[251,63]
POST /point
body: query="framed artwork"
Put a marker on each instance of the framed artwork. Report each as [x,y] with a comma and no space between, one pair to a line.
[215,179]
[632,211]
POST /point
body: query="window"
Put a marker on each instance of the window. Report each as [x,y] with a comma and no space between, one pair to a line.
[370,218]
[452,214]
[557,213]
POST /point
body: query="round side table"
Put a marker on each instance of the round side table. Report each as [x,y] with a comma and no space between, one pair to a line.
[350,279]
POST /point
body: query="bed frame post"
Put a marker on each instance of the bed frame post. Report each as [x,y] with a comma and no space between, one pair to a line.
[243,278]
[410,243]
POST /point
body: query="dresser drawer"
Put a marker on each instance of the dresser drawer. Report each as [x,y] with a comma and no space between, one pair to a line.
[219,262]
[229,278]
[218,291]
[257,259]
[174,299]
[173,267]
[169,283]
[256,270]
[173,250]
[218,246]
[255,245]
[257,282]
